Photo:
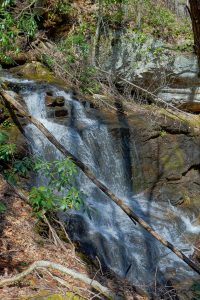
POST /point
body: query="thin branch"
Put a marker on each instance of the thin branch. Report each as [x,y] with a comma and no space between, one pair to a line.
[25,8]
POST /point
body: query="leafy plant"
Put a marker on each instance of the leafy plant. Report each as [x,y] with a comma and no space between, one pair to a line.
[28,24]
[6,30]
[2,207]
[7,124]
[163,133]
[59,193]
[7,151]
[3,137]
[48,60]
[63,7]
[22,166]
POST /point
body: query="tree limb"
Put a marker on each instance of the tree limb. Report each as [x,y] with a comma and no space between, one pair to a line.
[131,214]
[76,275]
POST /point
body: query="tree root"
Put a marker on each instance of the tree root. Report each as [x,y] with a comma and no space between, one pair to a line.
[76,275]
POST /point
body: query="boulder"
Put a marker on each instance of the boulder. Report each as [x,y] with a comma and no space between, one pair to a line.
[61,113]
[58,113]
[53,101]
[36,71]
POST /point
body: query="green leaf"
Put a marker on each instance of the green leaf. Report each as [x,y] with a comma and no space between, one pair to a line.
[3,137]
[2,207]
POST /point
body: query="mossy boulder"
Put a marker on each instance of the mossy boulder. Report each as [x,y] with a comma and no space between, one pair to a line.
[36,71]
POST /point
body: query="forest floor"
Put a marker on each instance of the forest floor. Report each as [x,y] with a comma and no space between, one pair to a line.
[21,245]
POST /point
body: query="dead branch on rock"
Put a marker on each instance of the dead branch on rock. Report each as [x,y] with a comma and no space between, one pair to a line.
[155,99]
[130,213]
[76,275]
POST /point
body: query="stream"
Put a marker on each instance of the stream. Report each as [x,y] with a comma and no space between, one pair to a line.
[101,227]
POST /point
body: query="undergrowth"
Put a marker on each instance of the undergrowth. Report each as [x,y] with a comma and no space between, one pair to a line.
[58,193]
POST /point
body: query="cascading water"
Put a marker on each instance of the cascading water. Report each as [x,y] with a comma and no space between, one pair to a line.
[103,229]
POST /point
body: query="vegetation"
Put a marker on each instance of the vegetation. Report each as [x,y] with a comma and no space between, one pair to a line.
[74,51]
[71,42]
[59,192]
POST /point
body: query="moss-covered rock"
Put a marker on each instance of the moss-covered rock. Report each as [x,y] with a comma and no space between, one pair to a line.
[36,71]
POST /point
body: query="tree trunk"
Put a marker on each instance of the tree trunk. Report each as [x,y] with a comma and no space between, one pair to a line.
[195,16]
[131,214]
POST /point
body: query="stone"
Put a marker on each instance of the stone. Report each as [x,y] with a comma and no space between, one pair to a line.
[53,101]
[190,106]
[36,71]
[61,113]
[165,166]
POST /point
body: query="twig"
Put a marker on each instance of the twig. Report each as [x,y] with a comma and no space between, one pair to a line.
[100,267]
[25,8]
[66,234]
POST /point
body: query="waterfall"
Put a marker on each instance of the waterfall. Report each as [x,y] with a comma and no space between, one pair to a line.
[101,227]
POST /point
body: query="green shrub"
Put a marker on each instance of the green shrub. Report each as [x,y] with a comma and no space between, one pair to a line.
[7,151]
[59,193]
[27,24]
[6,31]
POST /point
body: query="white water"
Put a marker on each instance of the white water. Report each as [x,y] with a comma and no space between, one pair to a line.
[106,231]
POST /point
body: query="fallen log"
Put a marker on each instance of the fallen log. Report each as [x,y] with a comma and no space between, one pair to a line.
[131,214]
[76,275]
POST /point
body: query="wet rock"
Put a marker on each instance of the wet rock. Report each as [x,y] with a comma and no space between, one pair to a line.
[190,106]
[53,101]
[58,113]
[61,113]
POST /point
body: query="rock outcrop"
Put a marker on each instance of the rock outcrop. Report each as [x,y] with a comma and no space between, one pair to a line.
[163,155]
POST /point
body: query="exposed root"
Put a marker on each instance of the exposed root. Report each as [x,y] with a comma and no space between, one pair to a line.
[76,275]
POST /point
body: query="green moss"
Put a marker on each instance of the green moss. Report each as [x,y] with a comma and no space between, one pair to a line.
[174,160]
[37,71]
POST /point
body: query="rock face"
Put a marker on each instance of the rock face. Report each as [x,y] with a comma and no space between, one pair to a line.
[184,84]
[169,162]
[134,55]
[163,155]
[143,60]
